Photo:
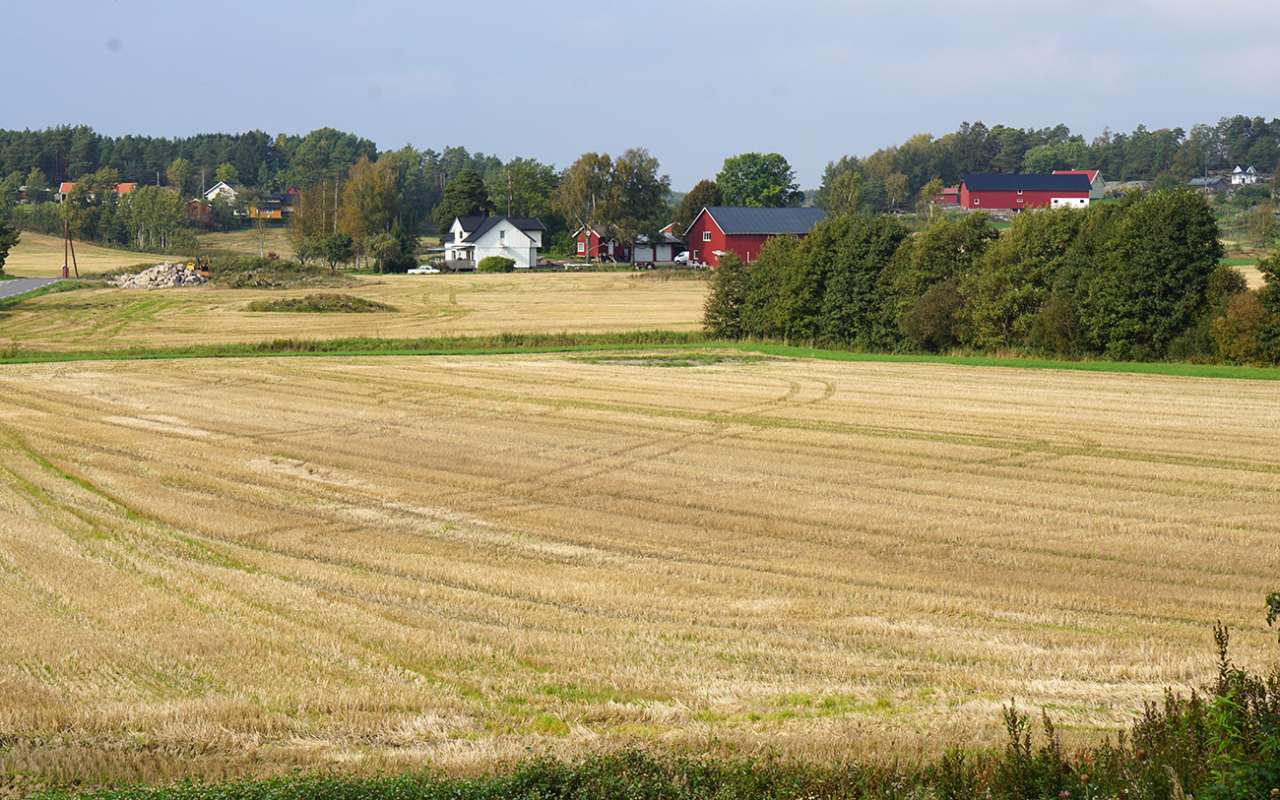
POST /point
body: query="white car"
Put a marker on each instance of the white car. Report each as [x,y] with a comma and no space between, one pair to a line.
[425,269]
[681,258]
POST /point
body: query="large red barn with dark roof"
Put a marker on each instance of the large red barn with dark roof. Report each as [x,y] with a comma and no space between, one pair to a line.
[1018,191]
[719,230]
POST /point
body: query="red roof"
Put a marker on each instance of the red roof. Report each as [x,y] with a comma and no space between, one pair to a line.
[66,187]
[126,187]
[1092,174]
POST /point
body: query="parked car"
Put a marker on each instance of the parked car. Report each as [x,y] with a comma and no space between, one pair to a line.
[425,269]
[681,258]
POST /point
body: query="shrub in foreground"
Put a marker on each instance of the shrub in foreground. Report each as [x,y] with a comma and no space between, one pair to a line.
[496,264]
[321,304]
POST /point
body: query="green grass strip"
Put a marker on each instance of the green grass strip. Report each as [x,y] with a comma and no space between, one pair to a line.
[515,343]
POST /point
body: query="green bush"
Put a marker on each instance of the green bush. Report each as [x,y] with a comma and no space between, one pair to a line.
[496,264]
[321,304]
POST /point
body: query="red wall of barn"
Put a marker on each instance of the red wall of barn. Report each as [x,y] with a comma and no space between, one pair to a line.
[700,250]
[745,246]
[1009,200]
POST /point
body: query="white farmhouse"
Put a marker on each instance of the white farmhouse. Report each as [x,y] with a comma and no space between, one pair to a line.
[1244,177]
[221,189]
[471,240]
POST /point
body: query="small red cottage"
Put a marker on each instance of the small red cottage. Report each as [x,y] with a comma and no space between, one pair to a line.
[1014,192]
[718,230]
[590,244]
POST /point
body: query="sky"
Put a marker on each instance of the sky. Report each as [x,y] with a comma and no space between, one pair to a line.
[694,81]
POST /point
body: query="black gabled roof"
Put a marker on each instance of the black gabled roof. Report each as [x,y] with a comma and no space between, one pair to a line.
[1027,181]
[770,221]
[485,224]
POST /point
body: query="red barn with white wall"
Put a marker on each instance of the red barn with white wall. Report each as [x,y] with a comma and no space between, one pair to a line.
[718,230]
[1015,192]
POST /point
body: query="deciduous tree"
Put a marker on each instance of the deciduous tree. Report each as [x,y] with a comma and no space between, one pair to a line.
[704,193]
[759,179]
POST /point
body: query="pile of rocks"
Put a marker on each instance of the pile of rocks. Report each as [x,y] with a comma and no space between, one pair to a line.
[161,276]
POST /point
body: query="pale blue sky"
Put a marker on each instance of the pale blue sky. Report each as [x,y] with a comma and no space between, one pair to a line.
[694,80]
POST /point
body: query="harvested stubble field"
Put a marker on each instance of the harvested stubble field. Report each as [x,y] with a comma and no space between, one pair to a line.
[237,566]
[40,256]
[430,305]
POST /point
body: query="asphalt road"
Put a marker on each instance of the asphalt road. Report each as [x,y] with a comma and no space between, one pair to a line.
[23,285]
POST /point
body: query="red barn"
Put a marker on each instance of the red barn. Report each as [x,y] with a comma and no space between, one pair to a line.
[718,230]
[1014,192]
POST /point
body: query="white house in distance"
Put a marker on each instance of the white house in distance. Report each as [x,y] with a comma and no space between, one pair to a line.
[1097,186]
[471,240]
[221,189]
[1244,177]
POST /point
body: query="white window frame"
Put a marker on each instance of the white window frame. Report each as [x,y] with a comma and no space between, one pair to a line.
[706,236]
[582,246]
[502,238]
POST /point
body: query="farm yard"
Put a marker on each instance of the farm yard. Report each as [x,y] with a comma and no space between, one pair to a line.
[367,562]
[435,305]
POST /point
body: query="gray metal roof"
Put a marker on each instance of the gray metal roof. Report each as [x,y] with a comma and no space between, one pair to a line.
[1032,182]
[768,221]
[475,227]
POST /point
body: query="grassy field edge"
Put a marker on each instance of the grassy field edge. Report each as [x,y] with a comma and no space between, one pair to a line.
[516,343]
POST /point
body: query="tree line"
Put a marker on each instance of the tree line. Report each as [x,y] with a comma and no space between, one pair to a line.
[1138,279]
[892,176]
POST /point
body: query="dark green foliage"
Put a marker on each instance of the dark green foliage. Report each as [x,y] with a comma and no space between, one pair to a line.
[496,264]
[1006,290]
[335,249]
[931,323]
[948,249]
[825,288]
[321,304]
[464,196]
[758,179]
[850,254]
[8,240]
[722,312]
[1149,285]
[704,193]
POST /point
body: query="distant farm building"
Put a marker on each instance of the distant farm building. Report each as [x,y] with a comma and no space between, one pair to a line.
[471,240]
[67,187]
[590,244]
[1244,177]
[949,197]
[1018,191]
[1212,183]
[719,230]
[275,206]
[221,189]
[1097,186]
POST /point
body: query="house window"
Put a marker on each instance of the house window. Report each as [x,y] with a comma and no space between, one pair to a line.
[977,201]
[582,247]
[502,237]
[1019,192]
[706,236]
